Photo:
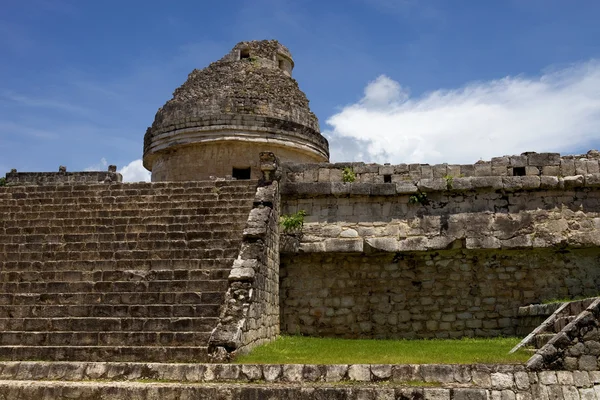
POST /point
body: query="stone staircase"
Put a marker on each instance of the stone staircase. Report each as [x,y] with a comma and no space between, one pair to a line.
[554,317]
[121,272]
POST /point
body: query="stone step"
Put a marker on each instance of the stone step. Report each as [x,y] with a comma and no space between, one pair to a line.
[113,286]
[561,322]
[542,338]
[74,338]
[162,297]
[48,252]
[72,213]
[174,264]
[114,275]
[109,242]
[101,353]
[124,209]
[130,189]
[90,324]
[109,310]
[127,225]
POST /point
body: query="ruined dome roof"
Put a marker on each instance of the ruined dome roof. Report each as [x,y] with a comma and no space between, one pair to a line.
[254,79]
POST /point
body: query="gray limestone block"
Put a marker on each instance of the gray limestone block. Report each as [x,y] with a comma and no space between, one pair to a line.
[386,170]
[313,373]
[502,381]
[406,372]
[383,189]
[383,244]
[242,274]
[588,363]
[381,372]
[593,167]
[437,373]
[292,373]
[573,181]
[481,182]
[532,170]
[581,379]
[581,166]
[500,161]
[266,194]
[359,372]
[512,183]
[272,372]
[518,161]
[530,182]
[592,180]
[335,372]
[467,170]
[440,171]
[483,169]
[417,243]
[340,188]
[360,189]
[454,170]
[469,394]
[460,184]
[406,188]
[251,372]
[432,185]
[436,394]
[551,170]
[426,171]
[344,245]
[549,182]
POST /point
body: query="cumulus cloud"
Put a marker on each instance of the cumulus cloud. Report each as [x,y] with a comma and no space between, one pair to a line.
[135,172]
[557,111]
[101,166]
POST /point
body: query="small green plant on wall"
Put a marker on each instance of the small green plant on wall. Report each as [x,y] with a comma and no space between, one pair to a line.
[3,181]
[348,175]
[449,181]
[293,223]
[418,198]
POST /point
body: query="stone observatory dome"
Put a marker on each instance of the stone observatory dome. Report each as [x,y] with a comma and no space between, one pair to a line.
[224,115]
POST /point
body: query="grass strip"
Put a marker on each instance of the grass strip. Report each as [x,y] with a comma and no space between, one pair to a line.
[309,350]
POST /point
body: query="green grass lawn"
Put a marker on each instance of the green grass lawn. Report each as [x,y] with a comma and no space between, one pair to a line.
[307,350]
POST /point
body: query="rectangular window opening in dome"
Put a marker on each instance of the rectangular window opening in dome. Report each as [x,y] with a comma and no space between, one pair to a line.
[387,179]
[241,173]
[244,53]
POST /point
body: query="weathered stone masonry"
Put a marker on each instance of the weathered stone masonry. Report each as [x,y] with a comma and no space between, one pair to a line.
[375,261]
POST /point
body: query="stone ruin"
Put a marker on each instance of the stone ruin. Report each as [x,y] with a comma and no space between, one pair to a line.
[107,281]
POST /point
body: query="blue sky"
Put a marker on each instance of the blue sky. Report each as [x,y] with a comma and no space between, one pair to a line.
[390,80]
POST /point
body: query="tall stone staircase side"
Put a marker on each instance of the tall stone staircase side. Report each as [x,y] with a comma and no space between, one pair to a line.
[558,315]
[120,272]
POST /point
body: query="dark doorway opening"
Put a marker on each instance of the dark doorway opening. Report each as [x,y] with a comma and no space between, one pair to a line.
[241,173]
[518,171]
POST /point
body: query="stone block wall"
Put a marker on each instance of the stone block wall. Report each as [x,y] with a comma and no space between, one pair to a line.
[250,316]
[62,177]
[432,254]
[575,347]
[434,294]
[526,164]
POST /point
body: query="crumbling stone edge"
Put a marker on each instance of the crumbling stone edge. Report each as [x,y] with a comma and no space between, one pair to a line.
[250,315]
[575,347]
[454,381]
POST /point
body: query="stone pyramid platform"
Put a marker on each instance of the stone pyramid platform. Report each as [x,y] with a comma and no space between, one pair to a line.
[119,272]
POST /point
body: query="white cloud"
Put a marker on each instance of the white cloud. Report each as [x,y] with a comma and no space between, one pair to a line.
[557,111]
[135,172]
[101,166]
